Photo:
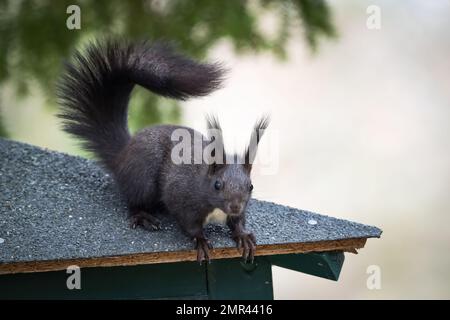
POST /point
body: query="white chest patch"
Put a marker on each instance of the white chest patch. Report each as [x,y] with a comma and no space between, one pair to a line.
[216,216]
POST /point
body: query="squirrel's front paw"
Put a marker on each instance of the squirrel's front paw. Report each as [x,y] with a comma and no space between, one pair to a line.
[247,242]
[202,246]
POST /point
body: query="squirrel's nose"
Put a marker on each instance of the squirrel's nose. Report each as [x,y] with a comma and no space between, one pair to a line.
[235,208]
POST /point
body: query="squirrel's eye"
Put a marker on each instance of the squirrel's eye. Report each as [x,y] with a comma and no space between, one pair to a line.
[218,185]
[251,187]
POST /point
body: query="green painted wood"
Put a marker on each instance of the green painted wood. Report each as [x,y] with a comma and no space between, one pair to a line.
[154,281]
[221,279]
[326,265]
[234,279]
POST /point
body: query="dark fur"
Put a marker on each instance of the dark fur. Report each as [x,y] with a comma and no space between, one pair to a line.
[94,94]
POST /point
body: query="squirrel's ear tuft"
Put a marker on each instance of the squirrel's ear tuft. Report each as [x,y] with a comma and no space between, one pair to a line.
[257,133]
[217,153]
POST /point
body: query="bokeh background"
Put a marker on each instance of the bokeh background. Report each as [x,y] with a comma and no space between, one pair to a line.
[362,115]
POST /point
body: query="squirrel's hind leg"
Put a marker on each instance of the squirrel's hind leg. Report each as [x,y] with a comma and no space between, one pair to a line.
[141,217]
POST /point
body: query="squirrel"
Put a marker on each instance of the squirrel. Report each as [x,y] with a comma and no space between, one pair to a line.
[94,91]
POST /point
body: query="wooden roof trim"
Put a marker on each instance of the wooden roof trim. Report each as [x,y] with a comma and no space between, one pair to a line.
[348,245]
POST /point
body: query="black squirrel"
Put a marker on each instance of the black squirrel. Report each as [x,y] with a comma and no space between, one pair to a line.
[94,92]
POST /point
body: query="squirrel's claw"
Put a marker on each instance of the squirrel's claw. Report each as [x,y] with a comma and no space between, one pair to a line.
[238,243]
[246,242]
[203,246]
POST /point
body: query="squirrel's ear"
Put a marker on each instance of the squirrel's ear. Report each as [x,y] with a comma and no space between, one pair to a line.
[217,158]
[217,148]
[257,133]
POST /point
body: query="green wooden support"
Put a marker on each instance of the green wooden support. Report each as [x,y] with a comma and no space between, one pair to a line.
[326,265]
[220,279]
[154,281]
[234,279]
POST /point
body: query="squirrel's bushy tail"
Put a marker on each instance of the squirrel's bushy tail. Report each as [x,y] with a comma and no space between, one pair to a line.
[95,89]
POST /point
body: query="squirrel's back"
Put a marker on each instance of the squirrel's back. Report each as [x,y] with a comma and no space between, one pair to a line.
[95,89]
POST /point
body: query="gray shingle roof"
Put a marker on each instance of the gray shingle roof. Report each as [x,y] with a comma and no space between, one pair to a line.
[56,206]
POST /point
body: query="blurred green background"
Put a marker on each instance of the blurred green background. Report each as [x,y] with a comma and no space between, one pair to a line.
[35,41]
